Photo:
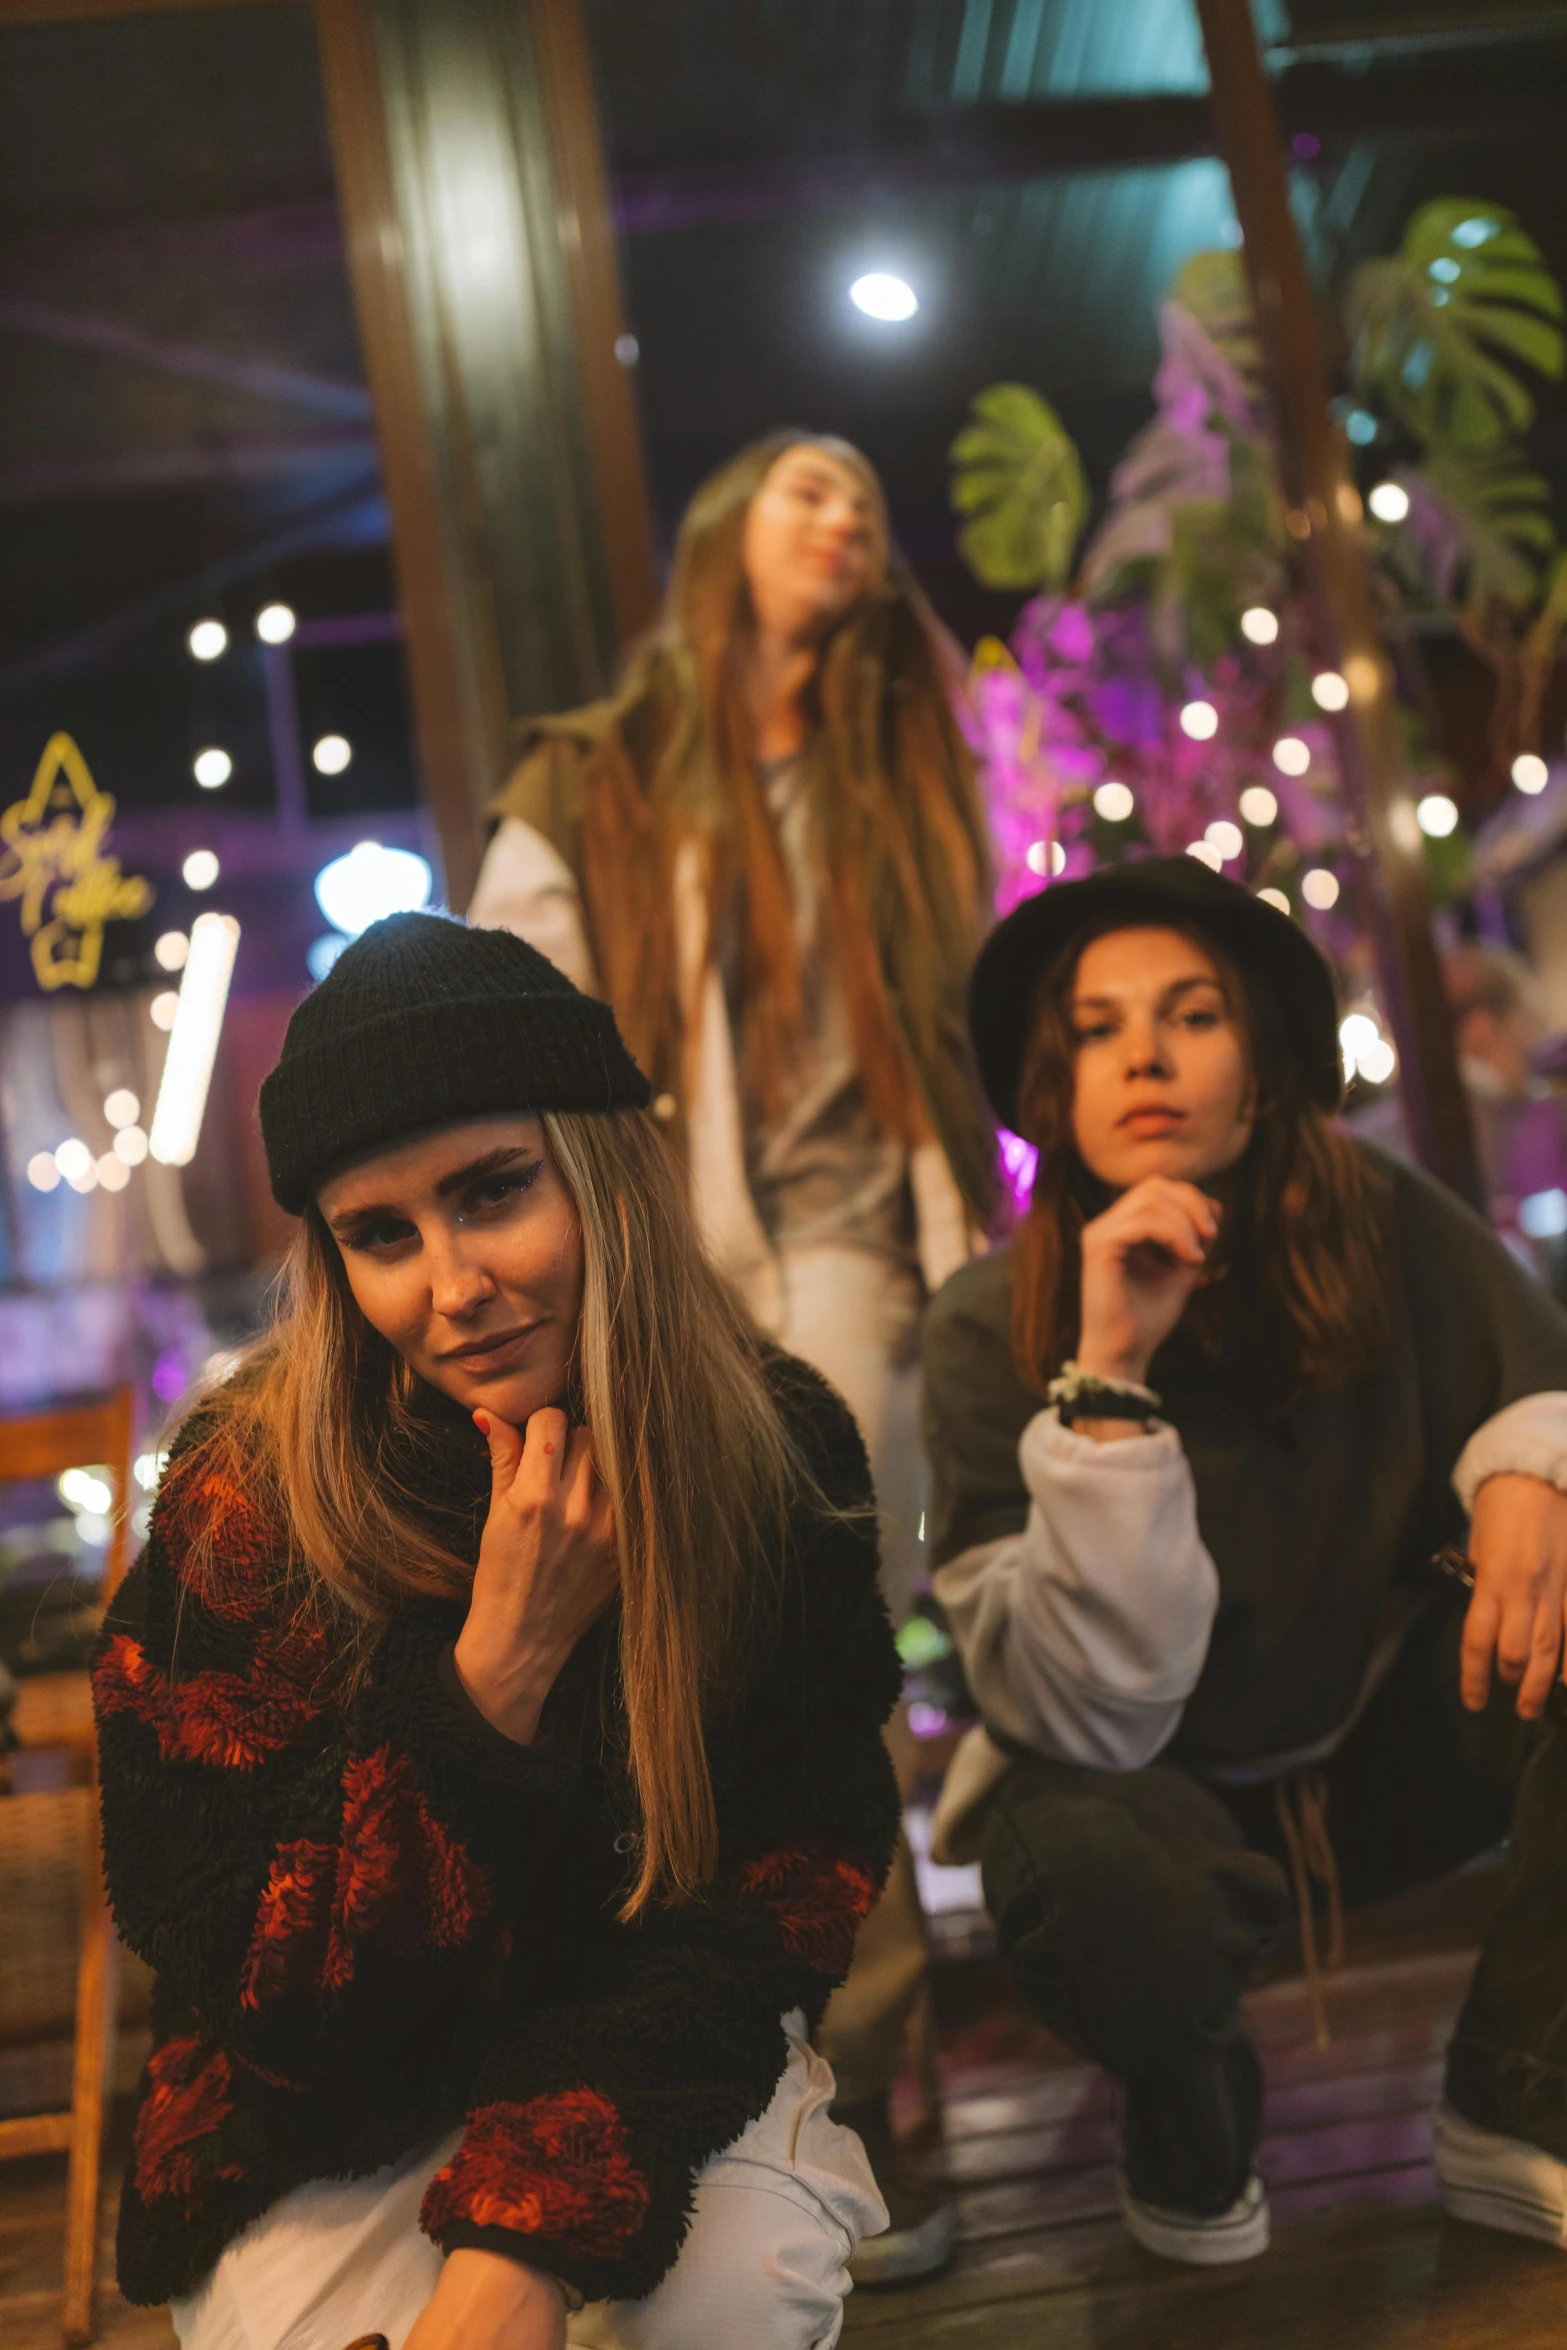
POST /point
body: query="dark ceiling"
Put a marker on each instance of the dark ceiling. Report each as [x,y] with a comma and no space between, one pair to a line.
[183,422]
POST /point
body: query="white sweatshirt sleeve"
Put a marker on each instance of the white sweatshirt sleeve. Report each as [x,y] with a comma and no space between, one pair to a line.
[1083,1636]
[1526,1439]
[525,885]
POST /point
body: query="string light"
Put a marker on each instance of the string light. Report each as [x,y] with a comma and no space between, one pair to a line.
[207,641]
[276,623]
[1530,773]
[1114,802]
[1389,501]
[1330,691]
[200,869]
[121,1108]
[1258,805]
[130,1144]
[1276,899]
[331,754]
[1205,853]
[1290,755]
[1436,815]
[212,768]
[1200,720]
[1227,838]
[42,1172]
[113,1173]
[1260,626]
[1319,888]
[170,950]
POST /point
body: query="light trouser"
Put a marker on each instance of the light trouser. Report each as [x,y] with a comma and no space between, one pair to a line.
[855,1317]
[764,2267]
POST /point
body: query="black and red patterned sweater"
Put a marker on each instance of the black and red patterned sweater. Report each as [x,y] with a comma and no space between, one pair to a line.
[374,1919]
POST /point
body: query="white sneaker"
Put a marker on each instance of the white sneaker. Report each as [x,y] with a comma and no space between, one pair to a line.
[1240,2233]
[902,2256]
[1499,2182]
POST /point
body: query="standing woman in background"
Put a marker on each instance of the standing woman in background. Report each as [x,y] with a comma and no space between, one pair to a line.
[768,852]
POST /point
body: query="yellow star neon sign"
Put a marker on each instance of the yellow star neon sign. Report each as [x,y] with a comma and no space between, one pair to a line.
[51,857]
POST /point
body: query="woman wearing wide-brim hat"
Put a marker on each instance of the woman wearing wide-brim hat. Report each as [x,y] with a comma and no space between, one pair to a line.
[1197,1436]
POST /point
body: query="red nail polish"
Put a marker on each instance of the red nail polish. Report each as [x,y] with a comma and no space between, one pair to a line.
[481,1422]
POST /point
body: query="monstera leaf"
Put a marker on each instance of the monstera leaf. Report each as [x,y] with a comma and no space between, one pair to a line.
[1213,288]
[1479,528]
[1440,332]
[1017,474]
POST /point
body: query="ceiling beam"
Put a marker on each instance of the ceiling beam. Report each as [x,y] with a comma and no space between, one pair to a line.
[114,338]
[51,12]
[1515,86]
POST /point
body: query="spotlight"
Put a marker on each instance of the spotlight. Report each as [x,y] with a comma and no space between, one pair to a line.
[884,297]
[370,882]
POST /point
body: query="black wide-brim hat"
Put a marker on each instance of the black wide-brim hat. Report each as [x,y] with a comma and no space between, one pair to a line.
[1161,892]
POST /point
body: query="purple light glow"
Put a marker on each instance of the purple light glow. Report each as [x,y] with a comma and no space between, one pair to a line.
[168,1378]
[1305,144]
[1018,1161]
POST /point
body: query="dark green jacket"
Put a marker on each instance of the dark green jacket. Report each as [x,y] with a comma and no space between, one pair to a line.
[1314,1511]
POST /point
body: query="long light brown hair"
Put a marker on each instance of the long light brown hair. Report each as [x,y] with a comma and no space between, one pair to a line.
[353,1454]
[893,798]
[1301,1271]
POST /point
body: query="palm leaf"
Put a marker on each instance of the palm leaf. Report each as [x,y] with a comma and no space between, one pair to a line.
[1017,473]
[1439,331]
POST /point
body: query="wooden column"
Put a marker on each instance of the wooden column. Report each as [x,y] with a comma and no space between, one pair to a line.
[480,244]
[1326,511]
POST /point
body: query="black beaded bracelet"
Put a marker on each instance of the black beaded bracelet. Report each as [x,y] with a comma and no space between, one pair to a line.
[1080,1395]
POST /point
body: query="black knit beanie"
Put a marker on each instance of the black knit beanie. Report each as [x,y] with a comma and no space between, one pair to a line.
[423,1022]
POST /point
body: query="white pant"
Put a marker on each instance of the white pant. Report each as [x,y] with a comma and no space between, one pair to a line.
[764,2267]
[854,1316]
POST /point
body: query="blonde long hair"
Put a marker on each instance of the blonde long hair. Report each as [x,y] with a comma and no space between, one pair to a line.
[328,1420]
[894,800]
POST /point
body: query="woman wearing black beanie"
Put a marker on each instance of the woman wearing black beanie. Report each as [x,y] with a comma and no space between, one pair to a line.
[492,1767]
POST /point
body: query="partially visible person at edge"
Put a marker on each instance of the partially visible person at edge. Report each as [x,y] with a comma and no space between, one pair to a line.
[493,1768]
[768,853]
[1196,1438]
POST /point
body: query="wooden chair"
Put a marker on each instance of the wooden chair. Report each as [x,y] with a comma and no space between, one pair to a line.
[54,1715]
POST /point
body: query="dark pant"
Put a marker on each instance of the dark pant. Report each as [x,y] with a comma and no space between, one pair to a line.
[1133,1907]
